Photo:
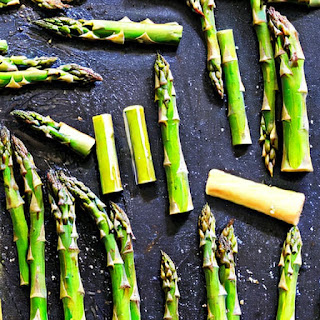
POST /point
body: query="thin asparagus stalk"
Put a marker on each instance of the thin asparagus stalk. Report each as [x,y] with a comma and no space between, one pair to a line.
[170,287]
[268,132]
[96,208]
[63,210]
[36,254]
[3,46]
[236,108]
[290,263]
[51,4]
[174,164]
[216,294]
[79,142]
[7,3]
[228,247]
[205,8]
[119,32]
[125,235]
[310,3]
[15,63]
[14,204]
[288,51]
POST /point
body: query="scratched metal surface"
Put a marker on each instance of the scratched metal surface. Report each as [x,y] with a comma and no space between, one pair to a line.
[128,79]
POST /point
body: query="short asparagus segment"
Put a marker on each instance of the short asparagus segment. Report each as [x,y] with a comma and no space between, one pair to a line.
[236,109]
[63,210]
[3,46]
[268,132]
[174,164]
[288,51]
[119,32]
[7,3]
[228,247]
[15,63]
[125,235]
[310,3]
[170,280]
[36,254]
[216,294]
[14,204]
[290,263]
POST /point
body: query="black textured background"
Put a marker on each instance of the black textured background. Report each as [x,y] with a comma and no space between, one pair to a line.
[129,79]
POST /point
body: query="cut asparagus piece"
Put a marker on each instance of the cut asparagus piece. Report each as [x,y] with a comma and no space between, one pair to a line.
[119,32]
[138,140]
[15,63]
[216,294]
[296,148]
[6,3]
[14,204]
[174,164]
[106,153]
[268,132]
[290,263]
[236,109]
[310,3]
[36,254]
[3,46]
[78,141]
[51,4]
[170,287]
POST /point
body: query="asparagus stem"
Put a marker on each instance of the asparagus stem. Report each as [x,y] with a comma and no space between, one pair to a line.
[6,3]
[290,263]
[15,63]
[268,132]
[216,294]
[236,108]
[36,254]
[14,204]
[170,287]
[3,45]
[118,32]
[296,148]
[310,3]
[63,210]
[174,164]
[51,4]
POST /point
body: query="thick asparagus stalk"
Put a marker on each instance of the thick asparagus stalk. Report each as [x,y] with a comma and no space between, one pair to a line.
[205,8]
[6,3]
[216,294]
[63,210]
[268,132]
[119,32]
[79,142]
[125,235]
[228,247]
[310,3]
[290,263]
[14,204]
[174,164]
[3,46]
[36,254]
[15,63]
[170,287]
[296,148]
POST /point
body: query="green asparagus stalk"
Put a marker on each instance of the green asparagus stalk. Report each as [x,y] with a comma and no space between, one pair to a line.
[51,4]
[288,51]
[236,108]
[170,287]
[174,164]
[125,235]
[96,208]
[14,204]
[7,3]
[310,3]
[290,263]
[63,210]
[79,142]
[228,247]
[119,32]
[15,63]
[216,294]
[205,8]
[3,46]
[268,132]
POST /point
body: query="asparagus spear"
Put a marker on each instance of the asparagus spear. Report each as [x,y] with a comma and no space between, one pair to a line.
[120,285]
[15,63]
[310,3]
[6,3]
[268,132]
[228,247]
[205,8]
[216,294]
[120,31]
[79,142]
[63,210]
[125,235]
[170,287]
[51,4]
[3,46]
[14,204]
[296,148]
[36,255]
[174,164]
[290,263]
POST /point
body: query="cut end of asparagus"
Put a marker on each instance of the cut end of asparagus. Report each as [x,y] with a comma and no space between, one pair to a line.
[3,46]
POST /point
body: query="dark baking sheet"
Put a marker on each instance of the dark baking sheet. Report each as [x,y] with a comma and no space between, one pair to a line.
[129,79]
